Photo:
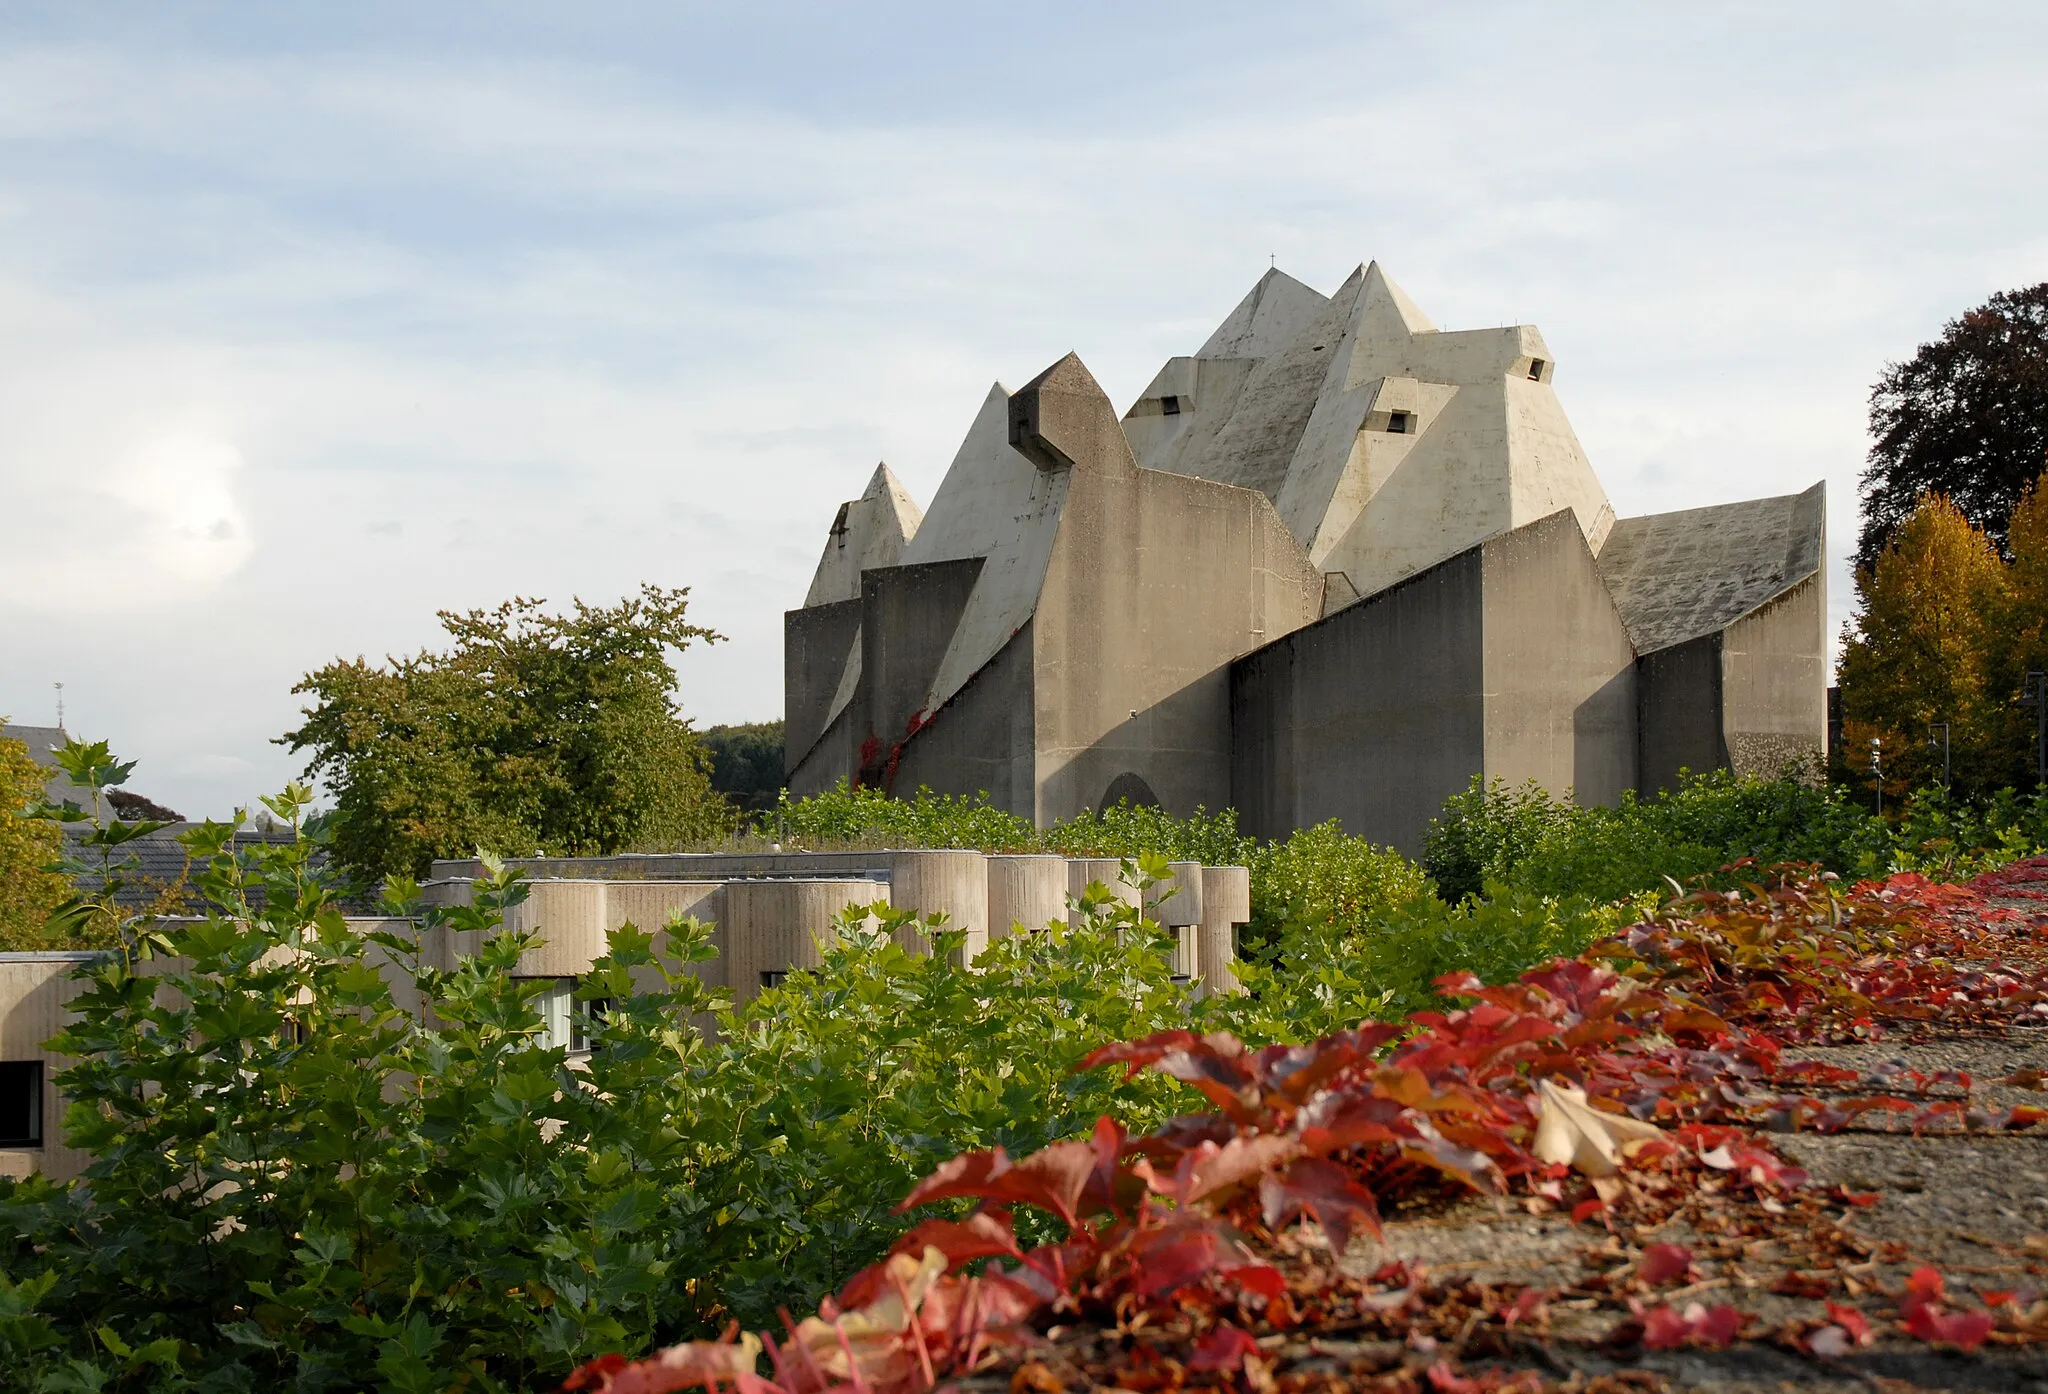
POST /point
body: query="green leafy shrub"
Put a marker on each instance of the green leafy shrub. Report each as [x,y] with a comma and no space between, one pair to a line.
[1130,830]
[1323,875]
[859,818]
[834,1092]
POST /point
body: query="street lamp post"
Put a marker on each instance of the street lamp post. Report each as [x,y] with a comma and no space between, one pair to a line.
[1941,726]
[1877,771]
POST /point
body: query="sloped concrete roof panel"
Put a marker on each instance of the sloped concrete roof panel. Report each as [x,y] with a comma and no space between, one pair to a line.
[1677,576]
[997,505]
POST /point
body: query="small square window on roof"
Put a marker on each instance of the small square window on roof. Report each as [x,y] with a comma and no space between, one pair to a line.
[1535,370]
[1397,423]
[1169,405]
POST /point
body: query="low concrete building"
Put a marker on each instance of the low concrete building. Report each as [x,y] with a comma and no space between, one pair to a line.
[769,914]
[1332,565]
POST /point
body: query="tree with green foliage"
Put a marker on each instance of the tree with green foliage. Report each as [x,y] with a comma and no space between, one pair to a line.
[1966,417]
[28,890]
[533,733]
[746,763]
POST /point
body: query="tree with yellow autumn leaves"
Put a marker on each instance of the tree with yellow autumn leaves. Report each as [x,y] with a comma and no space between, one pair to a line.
[1946,631]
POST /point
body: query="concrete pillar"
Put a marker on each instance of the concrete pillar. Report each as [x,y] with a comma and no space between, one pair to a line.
[1026,890]
[1226,904]
[1178,899]
[774,926]
[1107,870]
[954,884]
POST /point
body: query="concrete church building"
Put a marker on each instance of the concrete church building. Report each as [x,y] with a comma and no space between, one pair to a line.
[1332,565]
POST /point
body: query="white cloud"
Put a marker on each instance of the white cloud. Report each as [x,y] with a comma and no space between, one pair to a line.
[333,334]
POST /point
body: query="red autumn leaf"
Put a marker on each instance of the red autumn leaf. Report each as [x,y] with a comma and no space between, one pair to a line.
[1261,1279]
[1587,1209]
[969,1174]
[1224,1348]
[1237,1161]
[1851,1321]
[1339,1203]
[1663,1262]
[1169,1260]
[1714,1327]
[984,1234]
[1926,1285]
[1930,1323]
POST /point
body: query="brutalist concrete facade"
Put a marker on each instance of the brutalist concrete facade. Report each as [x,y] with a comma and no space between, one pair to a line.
[1331,565]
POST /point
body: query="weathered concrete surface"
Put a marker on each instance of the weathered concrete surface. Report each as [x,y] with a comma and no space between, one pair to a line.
[1386,444]
[1025,893]
[1226,905]
[1061,630]
[1560,682]
[1156,582]
[908,616]
[1373,716]
[1678,713]
[1774,681]
[1676,576]
[869,531]
[1507,661]
[818,644]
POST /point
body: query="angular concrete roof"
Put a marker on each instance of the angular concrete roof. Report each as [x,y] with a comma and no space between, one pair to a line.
[1677,576]
[994,504]
[870,531]
[1386,443]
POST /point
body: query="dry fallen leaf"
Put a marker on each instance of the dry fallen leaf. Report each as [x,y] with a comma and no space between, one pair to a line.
[1568,1129]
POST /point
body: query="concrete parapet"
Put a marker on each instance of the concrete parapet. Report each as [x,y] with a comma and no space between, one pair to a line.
[1226,904]
[650,905]
[1025,892]
[953,884]
[774,926]
[1108,870]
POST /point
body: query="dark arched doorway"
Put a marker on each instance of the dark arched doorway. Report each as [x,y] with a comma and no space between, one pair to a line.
[1128,788]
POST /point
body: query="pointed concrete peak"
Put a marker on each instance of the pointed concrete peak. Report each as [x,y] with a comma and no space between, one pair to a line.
[1070,374]
[1389,301]
[899,508]
[1269,318]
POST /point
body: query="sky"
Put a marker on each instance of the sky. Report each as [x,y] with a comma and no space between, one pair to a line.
[318,319]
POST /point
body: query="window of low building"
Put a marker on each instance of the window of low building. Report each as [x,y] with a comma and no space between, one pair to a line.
[21,1103]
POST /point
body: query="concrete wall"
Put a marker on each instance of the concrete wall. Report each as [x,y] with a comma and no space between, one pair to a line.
[1774,681]
[1559,671]
[818,645]
[908,615]
[1373,716]
[1678,713]
[981,740]
[1156,582]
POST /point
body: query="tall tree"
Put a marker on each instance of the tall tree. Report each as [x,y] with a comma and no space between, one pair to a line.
[535,732]
[1920,652]
[2020,639]
[1966,417]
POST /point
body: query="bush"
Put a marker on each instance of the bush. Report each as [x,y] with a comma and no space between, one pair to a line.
[1129,830]
[836,1091]
[1322,875]
[856,817]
